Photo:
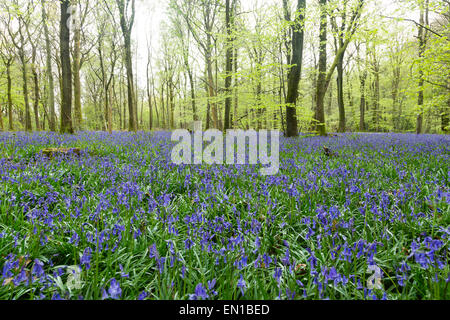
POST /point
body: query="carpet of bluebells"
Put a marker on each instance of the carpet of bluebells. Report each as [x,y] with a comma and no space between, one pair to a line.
[120,221]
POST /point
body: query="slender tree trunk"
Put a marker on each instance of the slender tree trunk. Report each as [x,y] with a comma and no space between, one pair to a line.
[377,110]
[321,79]
[50,81]
[395,88]
[422,46]
[9,89]
[362,105]
[36,97]
[149,96]
[66,90]
[78,118]
[126,31]
[229,63]
[211,90]
[2,128]
[35,88]
[155,103]
[445,121]
[340,91]
[25,88]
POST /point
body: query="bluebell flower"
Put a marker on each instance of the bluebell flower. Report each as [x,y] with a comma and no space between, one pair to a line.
[114,290]
[153,252]
[143,295]
[277,274]
[287,258]
[242,285]
[86,258]
[123,275]
[56,296]
[211,285]
[200,293]
[104,294]
[38,269]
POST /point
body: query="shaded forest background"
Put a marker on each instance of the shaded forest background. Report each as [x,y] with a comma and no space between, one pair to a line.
[293,65]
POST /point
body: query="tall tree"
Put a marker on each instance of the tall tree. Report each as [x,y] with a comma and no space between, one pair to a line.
[209,11]
[7,56]
[339,34]
[229,22]
[324,76]
[21,43]
[50,80]
[126,25]
[66,69]
[80,15]
[422,36]
[296,69]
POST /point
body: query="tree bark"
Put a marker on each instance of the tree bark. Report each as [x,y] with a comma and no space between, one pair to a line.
[66,70]
[36,92]
[340,92]
[321,79]
[126,31]
[78,118]
[229,61]
[324,78]
[25,87]
[295,71]
[2,128]
[50,81]
[9,89]
[422,45]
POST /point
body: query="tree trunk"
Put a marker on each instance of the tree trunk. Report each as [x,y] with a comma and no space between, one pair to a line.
[25,87]
[395,88]
[78,118]
[229,62]
[422,46]
[9,94]
[51,85]
[36,98]
[126,31]
[362,105]
[296,70]
[321,79]
[340,92]
[445,117]
[66,70]
[2,128]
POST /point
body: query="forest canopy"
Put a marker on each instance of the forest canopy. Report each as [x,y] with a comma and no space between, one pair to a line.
[293,65]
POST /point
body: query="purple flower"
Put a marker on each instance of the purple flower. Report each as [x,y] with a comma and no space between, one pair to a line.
[104,294]
[277,274]
[56,296]
[143,295]
[38,269]
[242,285]
[286,259]
[114,290]
[211,285]
[86,258]
[153,252]
[200,293]
[122,274]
